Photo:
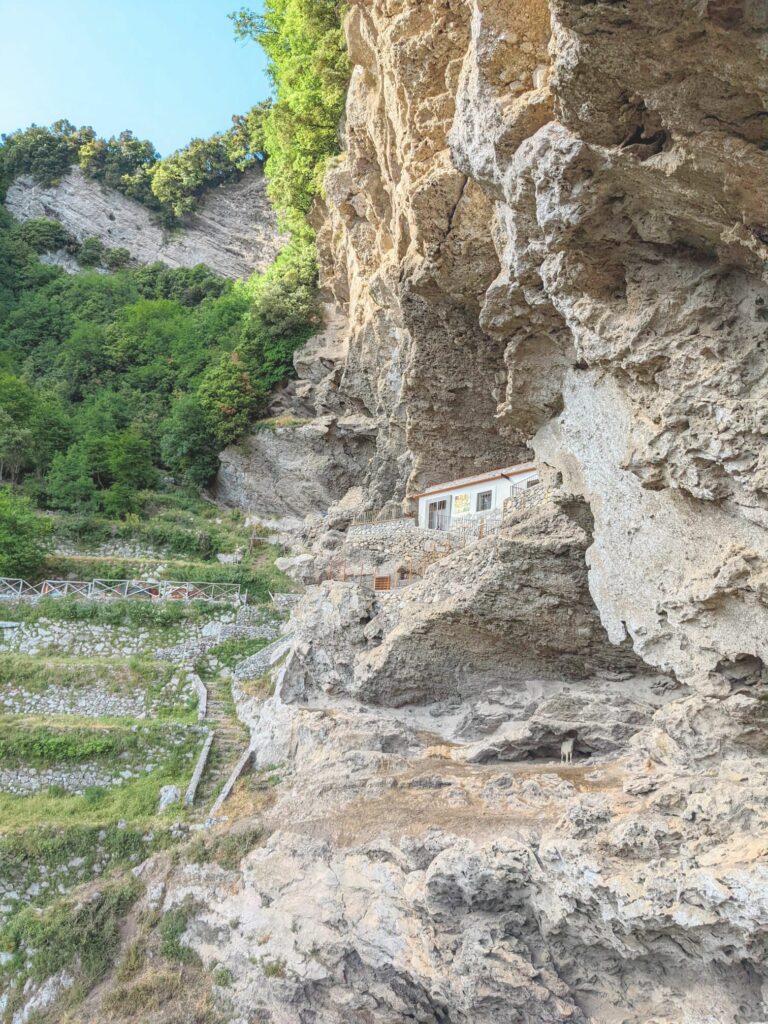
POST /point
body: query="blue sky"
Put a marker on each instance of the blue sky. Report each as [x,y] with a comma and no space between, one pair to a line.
[169,70]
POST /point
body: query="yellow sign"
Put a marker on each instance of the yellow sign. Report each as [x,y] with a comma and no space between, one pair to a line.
[461,504]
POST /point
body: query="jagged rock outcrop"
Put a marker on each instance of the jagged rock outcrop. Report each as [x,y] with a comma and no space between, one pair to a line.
[315,449]
[297,468]
[234,230]
[471,626]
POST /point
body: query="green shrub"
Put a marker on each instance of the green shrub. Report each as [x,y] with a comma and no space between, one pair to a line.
[273,968]
[223,977]
[116,259]
[24,536]
[91,252]
[45,235]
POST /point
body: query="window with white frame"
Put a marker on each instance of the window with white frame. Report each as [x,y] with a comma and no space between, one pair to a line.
[484,501]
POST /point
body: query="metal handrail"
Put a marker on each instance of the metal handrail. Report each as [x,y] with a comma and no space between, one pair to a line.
[374,516]
[524,498]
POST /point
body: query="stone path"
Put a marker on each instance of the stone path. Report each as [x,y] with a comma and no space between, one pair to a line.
[230,739]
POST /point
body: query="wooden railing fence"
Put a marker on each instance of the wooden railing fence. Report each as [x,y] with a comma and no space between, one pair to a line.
[101,590]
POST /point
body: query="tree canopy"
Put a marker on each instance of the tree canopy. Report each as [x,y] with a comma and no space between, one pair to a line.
[107,378]
[309,67]
[24,536]
[171,187]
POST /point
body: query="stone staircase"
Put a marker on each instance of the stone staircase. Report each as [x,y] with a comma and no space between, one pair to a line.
[230,739]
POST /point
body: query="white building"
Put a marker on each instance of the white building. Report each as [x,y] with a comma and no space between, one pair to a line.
[460,501]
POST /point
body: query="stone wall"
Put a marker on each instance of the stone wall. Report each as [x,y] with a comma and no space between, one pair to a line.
[188,651]
[29,880]
[48,636]
[97,701]
[383,530]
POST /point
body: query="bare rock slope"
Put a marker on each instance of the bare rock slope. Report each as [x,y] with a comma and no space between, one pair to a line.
[234,231]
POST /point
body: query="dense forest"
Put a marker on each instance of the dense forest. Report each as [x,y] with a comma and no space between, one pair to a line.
[115,374]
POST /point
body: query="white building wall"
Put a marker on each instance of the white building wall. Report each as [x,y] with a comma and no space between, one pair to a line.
[500,488]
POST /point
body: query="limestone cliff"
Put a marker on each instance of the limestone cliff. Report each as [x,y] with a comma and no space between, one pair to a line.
[234,230]
[546,239]
[548,235]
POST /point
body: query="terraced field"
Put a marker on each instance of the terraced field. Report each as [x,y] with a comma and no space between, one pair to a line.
[101,717]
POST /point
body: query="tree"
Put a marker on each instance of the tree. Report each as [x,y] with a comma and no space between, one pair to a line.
[284,297]
[229,398]
[129,459]
[187,443]
[15,447]
[24,536]
[70,483]
[82,362]
[16,397]
[246,139]
[51,429]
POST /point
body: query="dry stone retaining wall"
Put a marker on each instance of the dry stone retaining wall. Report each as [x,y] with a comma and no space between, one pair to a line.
[27,880]
[97,701]
[26,780]
[189,651]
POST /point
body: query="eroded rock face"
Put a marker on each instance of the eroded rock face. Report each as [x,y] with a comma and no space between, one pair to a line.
[295,469]
[494,613]
[549,233]
[538,245]
[405,881]
[315,452]
[234,231]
